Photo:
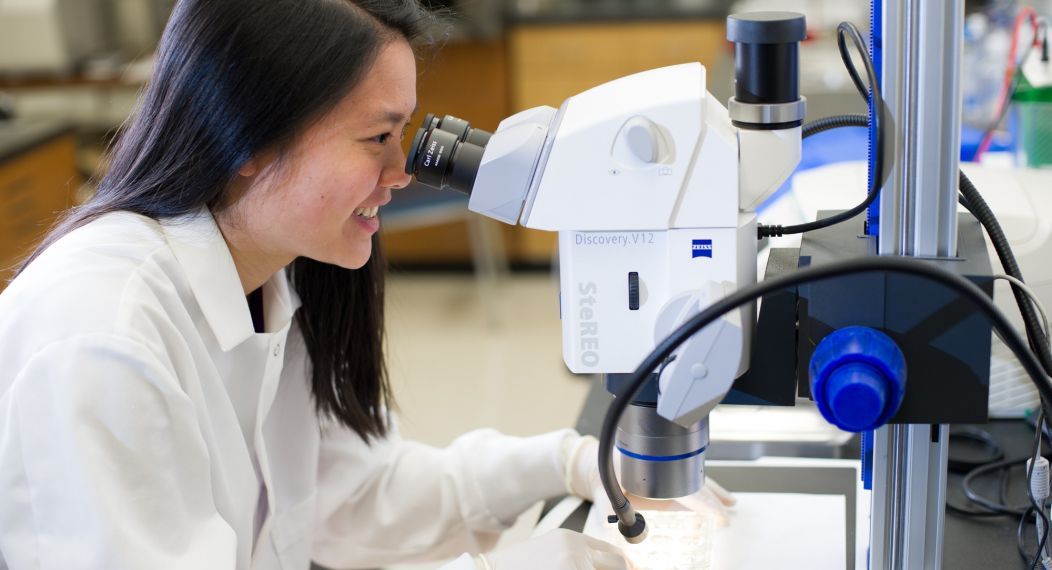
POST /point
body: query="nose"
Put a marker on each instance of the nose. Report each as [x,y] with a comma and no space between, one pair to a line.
[394,175]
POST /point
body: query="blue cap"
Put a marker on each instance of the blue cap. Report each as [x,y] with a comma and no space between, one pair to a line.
[858,378]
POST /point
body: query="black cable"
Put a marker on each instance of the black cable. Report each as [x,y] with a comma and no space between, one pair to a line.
[972,495]
[982,212]
[1038,507]
[998,509]
[1002,486]
[973,201]
[952,508]
[849,63]
[625,514]
[974,435]
[834,122]
[1019,540]
[847,30]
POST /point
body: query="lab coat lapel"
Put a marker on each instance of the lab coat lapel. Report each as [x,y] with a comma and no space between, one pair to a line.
[204,256]
[288,468]
[205,259]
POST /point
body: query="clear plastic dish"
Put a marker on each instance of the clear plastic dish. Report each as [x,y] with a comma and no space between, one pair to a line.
[676,540]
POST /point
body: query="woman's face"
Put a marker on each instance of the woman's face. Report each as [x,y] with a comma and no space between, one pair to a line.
[319,200]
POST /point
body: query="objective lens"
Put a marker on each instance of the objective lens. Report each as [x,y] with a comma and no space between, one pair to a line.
[660,459]
[443,158]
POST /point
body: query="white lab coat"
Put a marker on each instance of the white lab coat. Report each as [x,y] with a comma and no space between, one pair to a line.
[131,381]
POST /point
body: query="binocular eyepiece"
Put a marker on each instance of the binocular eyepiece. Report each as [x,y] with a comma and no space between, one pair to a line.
[446,153]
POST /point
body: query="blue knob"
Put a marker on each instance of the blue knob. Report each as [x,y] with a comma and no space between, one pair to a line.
[858,378]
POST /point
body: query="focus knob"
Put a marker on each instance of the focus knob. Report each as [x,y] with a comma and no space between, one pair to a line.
[641,142]
[858,378]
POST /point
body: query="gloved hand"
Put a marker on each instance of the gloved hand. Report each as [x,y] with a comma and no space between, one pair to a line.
[559,549]
[581,458]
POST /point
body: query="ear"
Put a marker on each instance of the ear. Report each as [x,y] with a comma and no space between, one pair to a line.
[249,169]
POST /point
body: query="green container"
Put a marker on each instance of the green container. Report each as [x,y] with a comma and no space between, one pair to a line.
[1034,113]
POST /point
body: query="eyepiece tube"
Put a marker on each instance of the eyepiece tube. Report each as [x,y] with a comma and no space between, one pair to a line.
[478,137]
[443,158]
[465,167]
[461,128]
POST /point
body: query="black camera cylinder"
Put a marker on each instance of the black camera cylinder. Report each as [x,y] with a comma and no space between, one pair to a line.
[766,73]
[766,56]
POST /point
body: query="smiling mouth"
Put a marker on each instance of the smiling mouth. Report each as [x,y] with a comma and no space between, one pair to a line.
[367,213]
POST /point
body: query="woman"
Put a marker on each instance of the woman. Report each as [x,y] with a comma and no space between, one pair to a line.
[192,368]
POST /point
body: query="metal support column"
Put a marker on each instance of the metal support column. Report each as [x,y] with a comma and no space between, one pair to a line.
[918,217]
[909,497]
[923,42]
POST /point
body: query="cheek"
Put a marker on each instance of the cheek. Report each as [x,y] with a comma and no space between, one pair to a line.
[333,194]
[326,188]
[329,212]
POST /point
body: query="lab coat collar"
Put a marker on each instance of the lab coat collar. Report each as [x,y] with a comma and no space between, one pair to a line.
[203,253]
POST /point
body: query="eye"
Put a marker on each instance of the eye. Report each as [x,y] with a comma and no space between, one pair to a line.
[382,139]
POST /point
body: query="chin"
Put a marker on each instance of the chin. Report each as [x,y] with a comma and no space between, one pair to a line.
[355,259]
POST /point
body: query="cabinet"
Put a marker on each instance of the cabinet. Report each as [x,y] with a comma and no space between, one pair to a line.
[466,79]
[36,184]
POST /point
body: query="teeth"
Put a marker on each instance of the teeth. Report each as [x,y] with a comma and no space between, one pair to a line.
[367,212]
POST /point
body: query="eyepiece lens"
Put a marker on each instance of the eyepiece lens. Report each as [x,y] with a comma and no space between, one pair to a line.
[446,153]
[434,157]
[414,149]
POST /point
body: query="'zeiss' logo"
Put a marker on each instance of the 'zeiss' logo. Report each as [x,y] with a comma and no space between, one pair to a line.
[701,248]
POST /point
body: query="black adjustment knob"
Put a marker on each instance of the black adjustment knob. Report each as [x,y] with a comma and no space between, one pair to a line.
[633,291]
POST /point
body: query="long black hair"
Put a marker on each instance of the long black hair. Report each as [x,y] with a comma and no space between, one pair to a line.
[234,78]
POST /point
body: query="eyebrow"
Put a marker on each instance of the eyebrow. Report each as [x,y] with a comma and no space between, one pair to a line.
[394,116]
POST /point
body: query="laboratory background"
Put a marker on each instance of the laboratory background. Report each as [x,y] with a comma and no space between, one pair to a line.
[474,331]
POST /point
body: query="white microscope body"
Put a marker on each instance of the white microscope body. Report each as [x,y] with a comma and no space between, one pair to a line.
[651,185]
[652,190]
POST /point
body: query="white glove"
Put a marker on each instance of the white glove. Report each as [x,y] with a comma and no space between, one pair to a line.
[581,458]
[559,549]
